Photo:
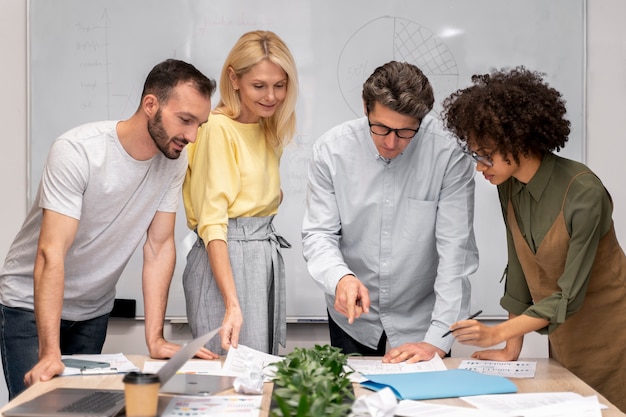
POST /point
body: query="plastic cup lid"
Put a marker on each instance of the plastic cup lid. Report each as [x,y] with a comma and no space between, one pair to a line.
[140,378]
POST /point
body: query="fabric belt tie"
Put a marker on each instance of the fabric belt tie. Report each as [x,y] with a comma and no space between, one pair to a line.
[238,230]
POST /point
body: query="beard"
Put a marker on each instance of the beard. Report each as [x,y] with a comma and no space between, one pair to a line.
[161,138]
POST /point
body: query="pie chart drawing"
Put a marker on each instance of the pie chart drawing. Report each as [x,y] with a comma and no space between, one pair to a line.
[390,38]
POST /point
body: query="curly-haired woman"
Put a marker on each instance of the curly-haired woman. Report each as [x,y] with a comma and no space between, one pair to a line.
[566,274]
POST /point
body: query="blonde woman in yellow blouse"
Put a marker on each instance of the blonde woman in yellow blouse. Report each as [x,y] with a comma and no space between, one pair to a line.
[234,276]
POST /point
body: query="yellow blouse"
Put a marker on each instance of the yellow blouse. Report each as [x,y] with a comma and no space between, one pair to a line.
[232,173]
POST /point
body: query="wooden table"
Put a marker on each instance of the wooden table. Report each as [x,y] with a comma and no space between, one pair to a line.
[549,377]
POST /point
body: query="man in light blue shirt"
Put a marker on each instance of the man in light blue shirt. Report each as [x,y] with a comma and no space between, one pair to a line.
[388,226]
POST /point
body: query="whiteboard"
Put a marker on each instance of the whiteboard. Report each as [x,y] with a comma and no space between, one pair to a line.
[88,61]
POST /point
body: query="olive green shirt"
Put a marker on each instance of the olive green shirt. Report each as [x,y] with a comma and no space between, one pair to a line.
[587,210]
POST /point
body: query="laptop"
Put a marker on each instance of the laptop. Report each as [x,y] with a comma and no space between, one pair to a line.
[72,402]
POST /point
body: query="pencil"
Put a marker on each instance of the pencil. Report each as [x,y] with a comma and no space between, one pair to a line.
[473,316]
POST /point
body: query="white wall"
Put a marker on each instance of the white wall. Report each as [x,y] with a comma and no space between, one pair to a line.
[606,93]
[13,180]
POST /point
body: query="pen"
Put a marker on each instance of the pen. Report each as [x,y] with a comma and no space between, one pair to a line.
[473,316]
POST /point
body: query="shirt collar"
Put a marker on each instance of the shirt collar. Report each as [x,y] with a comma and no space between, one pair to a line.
[538,183]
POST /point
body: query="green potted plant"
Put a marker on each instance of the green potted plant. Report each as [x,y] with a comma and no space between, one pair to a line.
[312,382]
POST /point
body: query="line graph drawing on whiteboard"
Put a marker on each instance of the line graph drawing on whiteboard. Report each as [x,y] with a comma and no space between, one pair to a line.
[390,38]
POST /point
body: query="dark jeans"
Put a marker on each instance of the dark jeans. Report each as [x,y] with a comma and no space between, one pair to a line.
[341,339]
[19,344]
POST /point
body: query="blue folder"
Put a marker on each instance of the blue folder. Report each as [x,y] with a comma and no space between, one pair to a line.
[440,384]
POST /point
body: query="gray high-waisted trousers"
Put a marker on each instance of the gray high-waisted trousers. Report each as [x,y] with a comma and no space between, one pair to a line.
[259,273]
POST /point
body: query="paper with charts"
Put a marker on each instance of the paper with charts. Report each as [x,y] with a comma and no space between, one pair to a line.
[215,405]
[239,361]
[513,369]
[363,366]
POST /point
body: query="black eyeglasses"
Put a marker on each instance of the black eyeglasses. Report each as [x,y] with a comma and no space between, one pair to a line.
[485,160]
[382,130]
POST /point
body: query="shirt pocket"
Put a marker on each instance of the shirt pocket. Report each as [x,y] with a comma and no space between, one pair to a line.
[419,219]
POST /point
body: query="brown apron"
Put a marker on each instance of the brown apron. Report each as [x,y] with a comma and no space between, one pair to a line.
[592,342]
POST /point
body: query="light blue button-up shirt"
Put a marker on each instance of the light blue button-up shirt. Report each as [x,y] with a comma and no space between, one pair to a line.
[404,227]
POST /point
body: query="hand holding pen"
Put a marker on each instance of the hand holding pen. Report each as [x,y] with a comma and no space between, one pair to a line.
[473,316]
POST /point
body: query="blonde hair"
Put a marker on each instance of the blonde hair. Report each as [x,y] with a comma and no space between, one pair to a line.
[252,48]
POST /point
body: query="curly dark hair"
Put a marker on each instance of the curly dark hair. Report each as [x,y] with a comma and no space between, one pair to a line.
[512,111]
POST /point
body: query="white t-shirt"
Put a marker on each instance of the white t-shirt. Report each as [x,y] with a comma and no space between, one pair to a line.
[89,176]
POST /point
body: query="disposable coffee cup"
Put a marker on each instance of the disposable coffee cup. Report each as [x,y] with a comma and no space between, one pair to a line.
[141,393]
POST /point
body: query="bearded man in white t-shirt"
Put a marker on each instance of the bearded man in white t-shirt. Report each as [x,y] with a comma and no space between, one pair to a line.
[106,186]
